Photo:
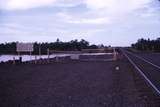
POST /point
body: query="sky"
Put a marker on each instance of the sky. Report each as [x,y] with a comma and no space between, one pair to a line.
[108,22]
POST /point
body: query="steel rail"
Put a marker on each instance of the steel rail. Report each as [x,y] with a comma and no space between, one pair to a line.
[141,72]
[144,60]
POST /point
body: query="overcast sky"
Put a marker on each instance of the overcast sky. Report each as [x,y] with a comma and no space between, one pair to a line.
[111,22]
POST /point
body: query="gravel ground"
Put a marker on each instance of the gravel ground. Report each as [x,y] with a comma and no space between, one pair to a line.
[71,84]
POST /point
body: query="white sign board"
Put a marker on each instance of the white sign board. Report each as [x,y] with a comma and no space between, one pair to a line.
[75,56]
[24,47]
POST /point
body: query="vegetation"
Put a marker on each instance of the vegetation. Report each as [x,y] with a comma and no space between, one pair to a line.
[147,45]
[73,45]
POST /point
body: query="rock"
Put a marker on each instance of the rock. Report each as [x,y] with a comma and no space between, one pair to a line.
[117,68]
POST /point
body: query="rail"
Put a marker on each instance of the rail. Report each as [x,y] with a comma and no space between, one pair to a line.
[140,71]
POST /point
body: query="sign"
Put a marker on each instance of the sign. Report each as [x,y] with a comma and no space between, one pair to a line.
[24,47]
[75,56]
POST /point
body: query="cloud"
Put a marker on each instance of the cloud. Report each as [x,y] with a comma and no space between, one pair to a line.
[68,3]
[100,21]
[82,20]
[24,4]
[109,6]
[29,4]
[116,6]
[91,21]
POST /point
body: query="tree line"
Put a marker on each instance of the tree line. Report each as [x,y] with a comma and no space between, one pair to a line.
[73,45]
[147,45]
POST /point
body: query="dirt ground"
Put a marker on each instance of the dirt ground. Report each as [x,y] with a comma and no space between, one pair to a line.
[72,84]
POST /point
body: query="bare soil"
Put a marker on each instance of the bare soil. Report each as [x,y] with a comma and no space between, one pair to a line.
[73,84]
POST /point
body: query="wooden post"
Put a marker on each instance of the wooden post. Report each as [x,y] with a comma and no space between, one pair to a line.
[35,59]
[30,56]
[20,58]
[40,51]
[48,54]
[18,54]
[115,55]
[56,58]
[14,61]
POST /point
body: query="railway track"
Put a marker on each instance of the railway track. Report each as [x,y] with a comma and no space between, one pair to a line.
[148,70]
